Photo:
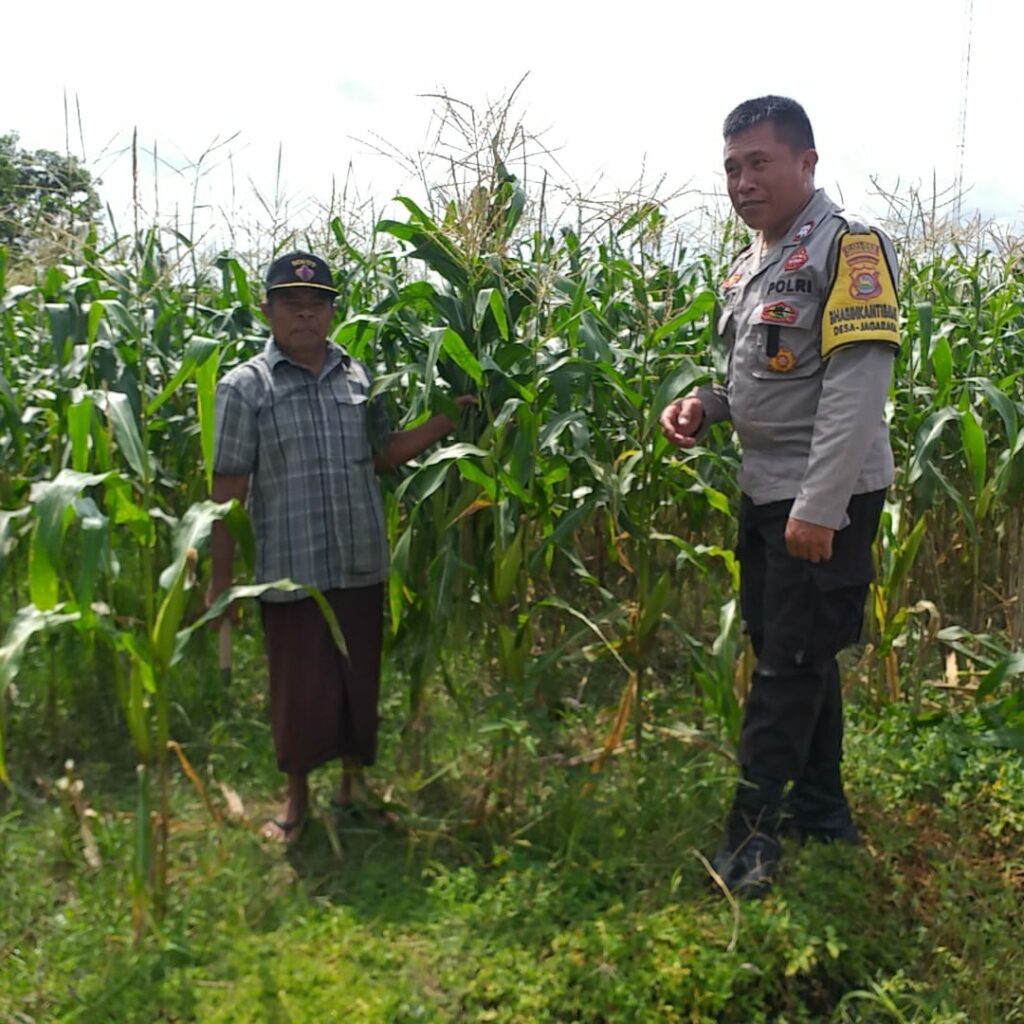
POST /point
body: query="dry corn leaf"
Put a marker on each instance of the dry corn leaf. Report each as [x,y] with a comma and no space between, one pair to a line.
[236,809]
[952,672]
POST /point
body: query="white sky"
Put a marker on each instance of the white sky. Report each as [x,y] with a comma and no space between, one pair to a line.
[614,88]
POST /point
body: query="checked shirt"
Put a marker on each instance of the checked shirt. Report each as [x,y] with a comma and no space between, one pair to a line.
[307,444]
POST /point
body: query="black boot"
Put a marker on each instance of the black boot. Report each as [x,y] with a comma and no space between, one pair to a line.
[816,807]
[751,849]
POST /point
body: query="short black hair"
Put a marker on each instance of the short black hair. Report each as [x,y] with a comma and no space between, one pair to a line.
[790,119]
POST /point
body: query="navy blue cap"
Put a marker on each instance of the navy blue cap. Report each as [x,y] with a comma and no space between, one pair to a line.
[300,270]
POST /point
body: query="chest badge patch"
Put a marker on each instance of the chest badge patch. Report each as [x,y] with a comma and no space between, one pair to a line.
[803,231]
[796,259]
[783,361]
[778,313]
[732,280]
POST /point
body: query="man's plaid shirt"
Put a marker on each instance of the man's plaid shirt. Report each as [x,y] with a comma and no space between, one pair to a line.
[307,444]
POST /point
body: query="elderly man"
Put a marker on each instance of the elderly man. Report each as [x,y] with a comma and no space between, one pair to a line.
[298,435]
[809,315]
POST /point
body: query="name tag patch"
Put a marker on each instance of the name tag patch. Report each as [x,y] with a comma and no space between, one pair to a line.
[791,286]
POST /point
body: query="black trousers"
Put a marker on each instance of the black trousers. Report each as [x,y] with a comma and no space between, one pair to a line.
[799,616]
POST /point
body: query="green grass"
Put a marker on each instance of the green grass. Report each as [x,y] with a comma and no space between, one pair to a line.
[586,902]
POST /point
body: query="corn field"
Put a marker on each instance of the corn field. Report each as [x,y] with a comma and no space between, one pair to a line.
[555,536]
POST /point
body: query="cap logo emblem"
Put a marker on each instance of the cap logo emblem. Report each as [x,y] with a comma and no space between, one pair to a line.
[304,272]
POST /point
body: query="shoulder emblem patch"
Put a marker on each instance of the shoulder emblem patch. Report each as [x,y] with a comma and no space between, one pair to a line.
[862,303]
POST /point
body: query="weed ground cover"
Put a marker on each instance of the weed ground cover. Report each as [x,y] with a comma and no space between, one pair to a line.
[588,901]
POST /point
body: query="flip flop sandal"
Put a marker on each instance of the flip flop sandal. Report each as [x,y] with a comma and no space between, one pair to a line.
[290,830]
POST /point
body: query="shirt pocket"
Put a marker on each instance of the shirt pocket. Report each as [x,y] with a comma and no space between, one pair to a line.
[783,388]
[349,410]
[784,353]
[726,316]
[348,389]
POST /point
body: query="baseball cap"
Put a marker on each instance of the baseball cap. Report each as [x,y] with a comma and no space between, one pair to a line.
[300,270]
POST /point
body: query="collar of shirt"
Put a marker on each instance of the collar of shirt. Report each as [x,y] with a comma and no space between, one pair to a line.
[336,355]
[754,259]
[818,209]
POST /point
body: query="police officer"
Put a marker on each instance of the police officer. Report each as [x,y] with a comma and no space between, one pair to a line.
[810,319]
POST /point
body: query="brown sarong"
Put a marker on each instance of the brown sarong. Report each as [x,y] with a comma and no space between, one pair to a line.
[322,704]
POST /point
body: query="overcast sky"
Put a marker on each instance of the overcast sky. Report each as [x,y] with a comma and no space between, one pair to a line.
[612,88]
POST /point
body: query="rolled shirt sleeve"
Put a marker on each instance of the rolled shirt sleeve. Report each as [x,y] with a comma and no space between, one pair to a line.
[235,434]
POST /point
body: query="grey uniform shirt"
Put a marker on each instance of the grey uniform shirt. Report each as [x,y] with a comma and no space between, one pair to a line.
[307,444]
[809,410]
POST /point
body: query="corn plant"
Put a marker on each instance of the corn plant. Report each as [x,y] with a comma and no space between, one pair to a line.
[556,531]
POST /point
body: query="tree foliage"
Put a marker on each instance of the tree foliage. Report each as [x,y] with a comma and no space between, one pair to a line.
[40,190]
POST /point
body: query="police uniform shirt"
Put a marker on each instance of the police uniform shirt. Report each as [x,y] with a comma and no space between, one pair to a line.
[811,325]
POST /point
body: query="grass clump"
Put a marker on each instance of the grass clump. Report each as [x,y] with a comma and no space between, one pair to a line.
[588,902]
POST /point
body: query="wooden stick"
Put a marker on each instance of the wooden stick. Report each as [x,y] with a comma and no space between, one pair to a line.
[224,650]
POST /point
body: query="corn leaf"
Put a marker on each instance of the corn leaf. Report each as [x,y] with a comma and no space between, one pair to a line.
[1008,667]
[506,569]
[194,530]
[680,381]
[92,548]
[972,437]
[26,623]
[700,305]
[653,607]
[232,594]
[472,471]
[79,427]
[126,432]
[8,536]
[53,504]
[928,436]
[455,348]
[206,386]
[942,362]
[198,352]
[1004,406]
